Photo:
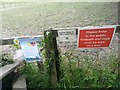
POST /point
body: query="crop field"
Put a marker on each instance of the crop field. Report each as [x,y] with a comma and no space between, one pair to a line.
[34,18]
[97,68]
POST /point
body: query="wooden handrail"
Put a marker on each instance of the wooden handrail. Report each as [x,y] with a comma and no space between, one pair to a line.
[6,41]
[5,70]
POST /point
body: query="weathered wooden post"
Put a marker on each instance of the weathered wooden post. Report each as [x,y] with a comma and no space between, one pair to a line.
[56,55]
[52,57]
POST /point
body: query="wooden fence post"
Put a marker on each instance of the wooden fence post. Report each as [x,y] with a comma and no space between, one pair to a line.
[52,57]
[56,53]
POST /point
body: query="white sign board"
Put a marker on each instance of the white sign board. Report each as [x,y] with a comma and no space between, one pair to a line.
[67,38]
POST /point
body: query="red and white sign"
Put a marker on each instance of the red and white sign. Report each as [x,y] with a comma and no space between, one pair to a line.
[95,37]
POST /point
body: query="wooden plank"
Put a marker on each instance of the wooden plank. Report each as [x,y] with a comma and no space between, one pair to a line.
[20,84]
[5,70]
[6,41]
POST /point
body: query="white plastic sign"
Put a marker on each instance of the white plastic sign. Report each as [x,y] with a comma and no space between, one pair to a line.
[67,38]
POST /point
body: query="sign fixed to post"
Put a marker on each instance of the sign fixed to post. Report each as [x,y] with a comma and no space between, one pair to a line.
[95,37]
[30,48]
[67,38]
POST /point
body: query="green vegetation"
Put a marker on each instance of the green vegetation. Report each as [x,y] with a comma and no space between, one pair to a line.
[6,59]
[86,73]
[35,78]
[75,71]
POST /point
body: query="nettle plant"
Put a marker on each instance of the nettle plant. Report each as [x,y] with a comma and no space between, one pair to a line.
[5,59]
[88,72]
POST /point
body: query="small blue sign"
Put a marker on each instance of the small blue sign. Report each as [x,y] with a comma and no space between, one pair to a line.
[30,49]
